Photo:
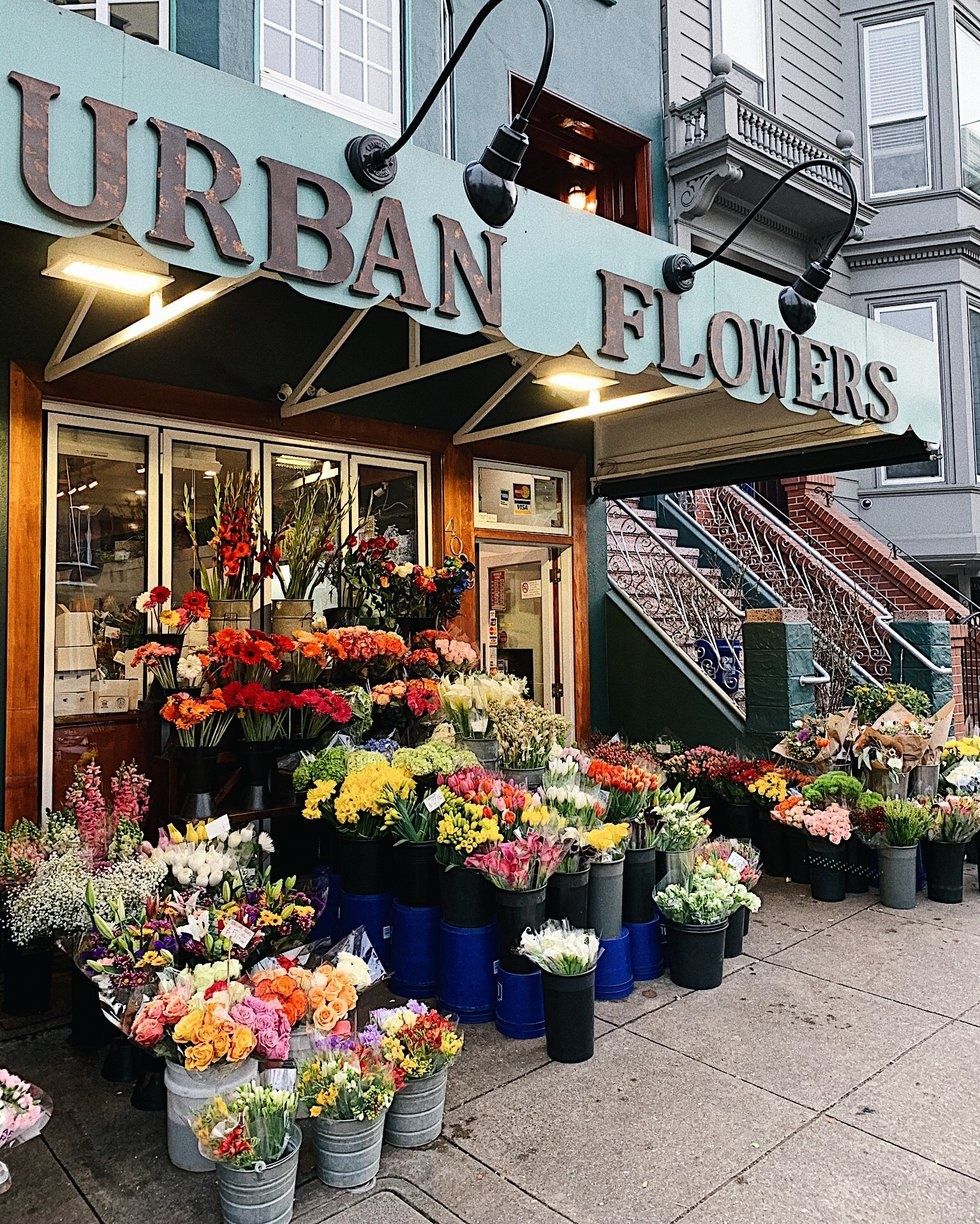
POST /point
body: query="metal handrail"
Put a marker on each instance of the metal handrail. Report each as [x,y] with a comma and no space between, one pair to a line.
[908,648]
[681,560]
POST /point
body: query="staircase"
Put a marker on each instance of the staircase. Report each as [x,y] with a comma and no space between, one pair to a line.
[686,573]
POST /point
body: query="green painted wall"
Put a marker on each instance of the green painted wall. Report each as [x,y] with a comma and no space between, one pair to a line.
[650,694]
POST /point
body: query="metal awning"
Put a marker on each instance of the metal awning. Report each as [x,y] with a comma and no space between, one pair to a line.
[706,384]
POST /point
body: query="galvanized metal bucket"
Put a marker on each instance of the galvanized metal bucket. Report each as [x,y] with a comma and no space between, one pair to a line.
[348,1154]
[264,1195]
[415,1116]
[187,1094]
[485,749]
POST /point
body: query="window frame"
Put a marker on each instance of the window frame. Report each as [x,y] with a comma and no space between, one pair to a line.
[960,24]
[767,82]
[879,314]
[919,20]
[101,10]
[423,511]
[504,465]
[332,100]
[973,308]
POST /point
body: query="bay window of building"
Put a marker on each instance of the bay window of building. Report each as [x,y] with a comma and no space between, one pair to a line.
[745,37]
[920,319]
[968,88]
[896,103]
[145,19]
[121,498]
[973,325]
[340,55]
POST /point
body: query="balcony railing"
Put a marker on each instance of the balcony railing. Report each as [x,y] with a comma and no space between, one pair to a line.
[720,138]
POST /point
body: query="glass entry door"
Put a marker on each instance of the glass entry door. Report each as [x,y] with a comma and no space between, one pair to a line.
[522,617]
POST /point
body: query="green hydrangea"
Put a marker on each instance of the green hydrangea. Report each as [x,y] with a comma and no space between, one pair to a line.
[329,763]
[432,757]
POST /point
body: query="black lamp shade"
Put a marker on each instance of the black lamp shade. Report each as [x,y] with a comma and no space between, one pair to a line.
[490,182]
[797,301]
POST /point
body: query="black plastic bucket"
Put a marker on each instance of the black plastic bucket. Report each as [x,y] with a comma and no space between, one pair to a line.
[944,870]
[696,954]
[417,874]
[569,1016]
[639,881]
[828,869]
[568,897]
[467,898]
[516,911]
[735,933]
[365,864]
[797,857]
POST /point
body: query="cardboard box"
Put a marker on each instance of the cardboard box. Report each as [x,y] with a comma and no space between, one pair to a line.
[72,681]
[72,628]
[73,703]
[75,658]
[135,693]
[106,703]
[112,688]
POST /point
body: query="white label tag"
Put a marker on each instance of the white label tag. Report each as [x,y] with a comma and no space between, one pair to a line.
[238,933]
[386,932]
[434,801]
[736,861]
[662,749]
[219,827]
[478,723]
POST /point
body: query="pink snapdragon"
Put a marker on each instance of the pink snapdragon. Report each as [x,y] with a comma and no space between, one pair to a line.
[130,794]
[85,800]
[832,822]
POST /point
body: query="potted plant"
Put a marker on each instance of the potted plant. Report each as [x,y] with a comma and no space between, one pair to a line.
[743,858]
[607,859]
[680,828]
[360,810]
[526,733]
[630,794]
[828,830]
[695,916]
[955,820]
[519,870]
[252,1138]
[567,958]
[905,824]
[261,716]
[229,567]
[469,822]
[25,1111]
[423,1044]
[466,701]
[302,552]
[413,822]
[201,724]
[348,1089]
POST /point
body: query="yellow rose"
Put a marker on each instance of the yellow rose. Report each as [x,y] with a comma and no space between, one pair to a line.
[198,1057]
[187,1029]
[242,1043]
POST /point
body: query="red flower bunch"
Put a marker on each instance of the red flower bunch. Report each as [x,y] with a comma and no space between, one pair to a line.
[325,703]
[358,644]
[158,596]
[625,778]
[697,764]
[730,776]
[420,698]
[247,648]
[614,752]
[256,698]
[196,605]
[422,662]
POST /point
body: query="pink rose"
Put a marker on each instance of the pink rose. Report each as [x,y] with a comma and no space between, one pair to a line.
[147,1031]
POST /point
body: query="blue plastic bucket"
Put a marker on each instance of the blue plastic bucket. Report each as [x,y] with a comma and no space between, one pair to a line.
[520,1004]
[371,911]
[466,960]
[646,949]
[414,950]
[614,972]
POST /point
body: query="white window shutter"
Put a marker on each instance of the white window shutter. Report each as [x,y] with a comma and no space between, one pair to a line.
[895,70]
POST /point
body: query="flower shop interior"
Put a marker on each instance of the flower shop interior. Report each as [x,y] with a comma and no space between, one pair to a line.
[305,671]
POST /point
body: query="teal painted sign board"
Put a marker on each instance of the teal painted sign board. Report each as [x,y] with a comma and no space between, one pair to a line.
[552,297]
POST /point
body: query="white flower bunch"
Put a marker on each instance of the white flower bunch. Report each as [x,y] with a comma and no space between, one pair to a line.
[466,700]
[573,804]
[965,776]
[52,905]
[204,864]
[709,894]
[560,948]
[190,672]
[356,969]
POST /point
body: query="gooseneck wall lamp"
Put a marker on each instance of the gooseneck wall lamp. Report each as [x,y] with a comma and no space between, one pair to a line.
[796,301]
[489,182]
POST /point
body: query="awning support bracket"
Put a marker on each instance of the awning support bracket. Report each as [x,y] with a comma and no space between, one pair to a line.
[333,399]
[337,342]
[157,316]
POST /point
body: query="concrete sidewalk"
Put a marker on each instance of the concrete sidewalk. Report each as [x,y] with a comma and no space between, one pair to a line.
[832,1079]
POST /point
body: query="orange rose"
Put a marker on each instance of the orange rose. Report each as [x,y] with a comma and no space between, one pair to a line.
[242,1044]
[187,1030]
[198,1057]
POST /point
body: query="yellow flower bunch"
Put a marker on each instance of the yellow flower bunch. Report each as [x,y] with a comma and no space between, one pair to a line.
[196,831]
[319,793]
[771,786]
[367,794]
[606,838]
[466,827]
[965,746]
[209,1034]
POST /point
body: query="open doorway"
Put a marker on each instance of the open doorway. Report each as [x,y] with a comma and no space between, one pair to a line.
[525,618]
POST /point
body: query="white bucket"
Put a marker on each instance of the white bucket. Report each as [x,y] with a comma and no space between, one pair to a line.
[187,1094]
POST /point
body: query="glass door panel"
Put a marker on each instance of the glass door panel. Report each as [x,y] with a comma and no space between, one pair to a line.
[517,632]
[394,494]
[288,472]
[191,463]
